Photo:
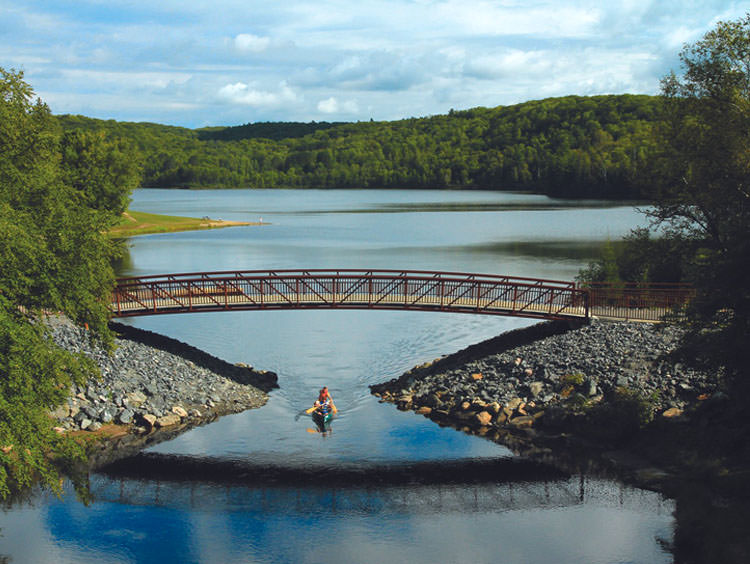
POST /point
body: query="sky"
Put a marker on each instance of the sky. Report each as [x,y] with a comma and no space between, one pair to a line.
[228,62]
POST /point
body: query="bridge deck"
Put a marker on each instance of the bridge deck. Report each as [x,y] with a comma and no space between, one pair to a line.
[408,290]
[391,289]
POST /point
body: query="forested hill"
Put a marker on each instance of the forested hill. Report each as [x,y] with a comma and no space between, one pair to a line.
[571,146]
[265,130]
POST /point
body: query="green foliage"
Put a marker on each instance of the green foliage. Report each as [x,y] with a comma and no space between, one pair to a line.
[572,380]
[622,415]
[263,130]
[35,377]
[704,166]
[572,146]
[101,169]
[641,257]
[57,198]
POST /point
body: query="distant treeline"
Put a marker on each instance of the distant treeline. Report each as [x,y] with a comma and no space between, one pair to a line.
[572,146]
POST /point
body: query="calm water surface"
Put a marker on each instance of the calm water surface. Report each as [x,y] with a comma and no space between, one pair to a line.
[549,518]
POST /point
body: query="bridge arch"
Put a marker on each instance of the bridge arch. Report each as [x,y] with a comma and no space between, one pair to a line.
[418,290]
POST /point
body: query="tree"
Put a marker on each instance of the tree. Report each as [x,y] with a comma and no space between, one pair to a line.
[101,169]
[54,255]
[704,170]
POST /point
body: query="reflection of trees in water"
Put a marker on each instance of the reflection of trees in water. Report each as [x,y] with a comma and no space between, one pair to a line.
[710,529]
[3,558]
[123,263]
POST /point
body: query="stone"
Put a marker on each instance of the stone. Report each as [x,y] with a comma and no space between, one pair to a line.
[125,416]
[168,420]
[521,421]
[672,412]
[429,400]
[483,418]
[514,403]
[478,405]
[403,405]
[95,426]
[85,423]
[180,411]
[424,410]
[135,399]
[148,420]
[194,412]
[592,388]
[535,388]
[476,376]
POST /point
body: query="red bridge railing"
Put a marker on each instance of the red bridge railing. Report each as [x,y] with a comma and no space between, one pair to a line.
[643,302]
[394,289]
[349,289]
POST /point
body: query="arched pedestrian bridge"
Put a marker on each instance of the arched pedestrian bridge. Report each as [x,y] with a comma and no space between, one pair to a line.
[376,289]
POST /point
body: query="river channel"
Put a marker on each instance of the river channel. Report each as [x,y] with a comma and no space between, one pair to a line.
[477,504]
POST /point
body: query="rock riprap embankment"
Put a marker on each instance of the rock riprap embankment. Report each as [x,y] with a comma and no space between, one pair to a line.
[543,371]
[151,381]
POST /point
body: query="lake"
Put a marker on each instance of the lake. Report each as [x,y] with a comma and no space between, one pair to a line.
[460,514]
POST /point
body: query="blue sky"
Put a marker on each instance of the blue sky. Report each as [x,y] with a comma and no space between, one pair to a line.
[228,62]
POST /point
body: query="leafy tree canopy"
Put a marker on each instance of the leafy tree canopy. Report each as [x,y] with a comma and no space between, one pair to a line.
[58,194]
[705,170]
[571,146]
[701,210]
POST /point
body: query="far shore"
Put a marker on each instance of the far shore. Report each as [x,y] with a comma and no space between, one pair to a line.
[135,223]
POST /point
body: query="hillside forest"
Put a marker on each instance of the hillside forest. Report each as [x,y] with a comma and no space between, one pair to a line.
[571,147]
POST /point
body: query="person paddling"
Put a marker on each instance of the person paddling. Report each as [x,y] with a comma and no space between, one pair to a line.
[323,408]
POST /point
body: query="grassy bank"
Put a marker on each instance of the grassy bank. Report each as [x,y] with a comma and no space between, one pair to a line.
[141,223]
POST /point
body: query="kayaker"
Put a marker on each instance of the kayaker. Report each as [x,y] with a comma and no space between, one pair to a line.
[324,404]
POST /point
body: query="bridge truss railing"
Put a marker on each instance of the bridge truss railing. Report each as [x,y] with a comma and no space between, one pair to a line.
[642,302]
[353,289]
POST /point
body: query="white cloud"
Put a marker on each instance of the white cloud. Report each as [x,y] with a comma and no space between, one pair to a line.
[386,59]
[333,106]
[508,64]
[554,19]
[245,94]
[251,43]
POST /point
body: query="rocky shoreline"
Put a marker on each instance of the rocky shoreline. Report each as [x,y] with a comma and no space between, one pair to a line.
[151,389]
[527,388]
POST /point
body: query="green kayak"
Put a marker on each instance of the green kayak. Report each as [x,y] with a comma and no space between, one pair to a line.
[320,419]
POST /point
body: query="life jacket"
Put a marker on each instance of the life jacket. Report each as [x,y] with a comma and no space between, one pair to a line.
[325,406]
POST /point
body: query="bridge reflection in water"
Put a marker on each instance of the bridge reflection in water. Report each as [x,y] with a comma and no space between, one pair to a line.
[468,486]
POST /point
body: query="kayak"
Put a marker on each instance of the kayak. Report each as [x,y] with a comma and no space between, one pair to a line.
[321,419]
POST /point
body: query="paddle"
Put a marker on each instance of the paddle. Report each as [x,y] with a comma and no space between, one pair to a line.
[304,412]
[309,410]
